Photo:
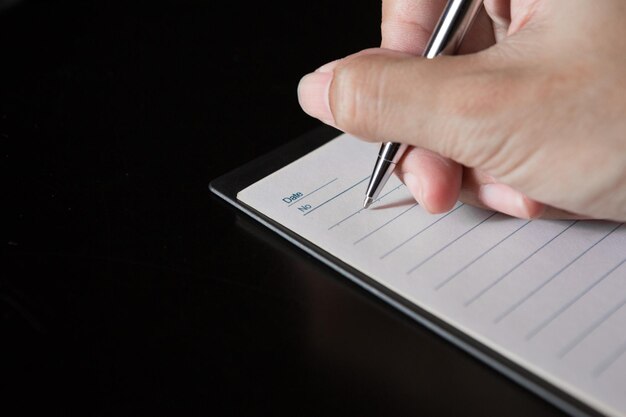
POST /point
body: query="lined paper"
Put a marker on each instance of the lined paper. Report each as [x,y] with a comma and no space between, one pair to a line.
[549,295]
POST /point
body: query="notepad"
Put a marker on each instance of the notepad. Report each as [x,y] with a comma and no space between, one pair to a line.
[548,295]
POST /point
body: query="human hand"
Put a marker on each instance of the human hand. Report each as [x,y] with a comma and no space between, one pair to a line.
[531,123]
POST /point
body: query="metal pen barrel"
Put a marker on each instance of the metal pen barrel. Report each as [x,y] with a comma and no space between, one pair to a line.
[455,21]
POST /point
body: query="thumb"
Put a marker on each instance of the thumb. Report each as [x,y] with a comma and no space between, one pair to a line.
[451,105]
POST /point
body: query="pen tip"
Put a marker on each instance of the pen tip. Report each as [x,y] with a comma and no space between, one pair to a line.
[368,202]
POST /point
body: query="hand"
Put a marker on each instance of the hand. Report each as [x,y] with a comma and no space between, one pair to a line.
[530,121]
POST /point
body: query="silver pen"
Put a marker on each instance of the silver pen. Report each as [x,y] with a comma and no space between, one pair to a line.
[453,24]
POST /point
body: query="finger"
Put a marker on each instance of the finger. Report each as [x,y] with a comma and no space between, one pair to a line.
[548,212]
[408,24]
[433,180]
[455,106]
[481,190]
[499,12]
[554,213]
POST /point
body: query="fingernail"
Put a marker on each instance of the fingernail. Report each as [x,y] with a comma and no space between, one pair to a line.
[502,198]
[313,93]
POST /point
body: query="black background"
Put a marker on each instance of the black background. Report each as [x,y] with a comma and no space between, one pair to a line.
[126,288]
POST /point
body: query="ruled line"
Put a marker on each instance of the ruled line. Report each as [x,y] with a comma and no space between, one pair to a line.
[451,277]
[501,277]
[421,231]
[360,210]
[312,192]
[570,303]
[410,271]
[610,360]
[337,195]
[550,279]
[385,224]
[590,329]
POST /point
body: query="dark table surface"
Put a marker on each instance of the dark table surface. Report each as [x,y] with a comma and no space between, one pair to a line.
[126,288]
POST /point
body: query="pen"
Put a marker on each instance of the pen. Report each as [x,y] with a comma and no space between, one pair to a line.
[453,24]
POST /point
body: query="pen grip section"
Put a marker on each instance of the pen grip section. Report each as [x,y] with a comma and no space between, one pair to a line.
[391,151]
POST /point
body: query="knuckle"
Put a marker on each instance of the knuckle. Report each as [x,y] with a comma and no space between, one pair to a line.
[480,131]
[481,93]
[357,97]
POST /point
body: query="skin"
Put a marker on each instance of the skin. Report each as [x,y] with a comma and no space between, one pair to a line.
[529,119]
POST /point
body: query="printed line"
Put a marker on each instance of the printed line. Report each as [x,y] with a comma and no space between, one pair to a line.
[606,364]
[570,303]
[314,191]
[421,231]
[385,224]
[451,277]
[528,296]
[410,271]
[360,210]
[589,330]
[501,277]
[332,198]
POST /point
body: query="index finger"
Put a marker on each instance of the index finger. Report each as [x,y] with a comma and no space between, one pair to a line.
[407,24]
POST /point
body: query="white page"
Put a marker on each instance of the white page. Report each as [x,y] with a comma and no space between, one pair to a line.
[549,295]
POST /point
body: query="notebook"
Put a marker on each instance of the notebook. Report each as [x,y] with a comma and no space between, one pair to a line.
[543,301]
